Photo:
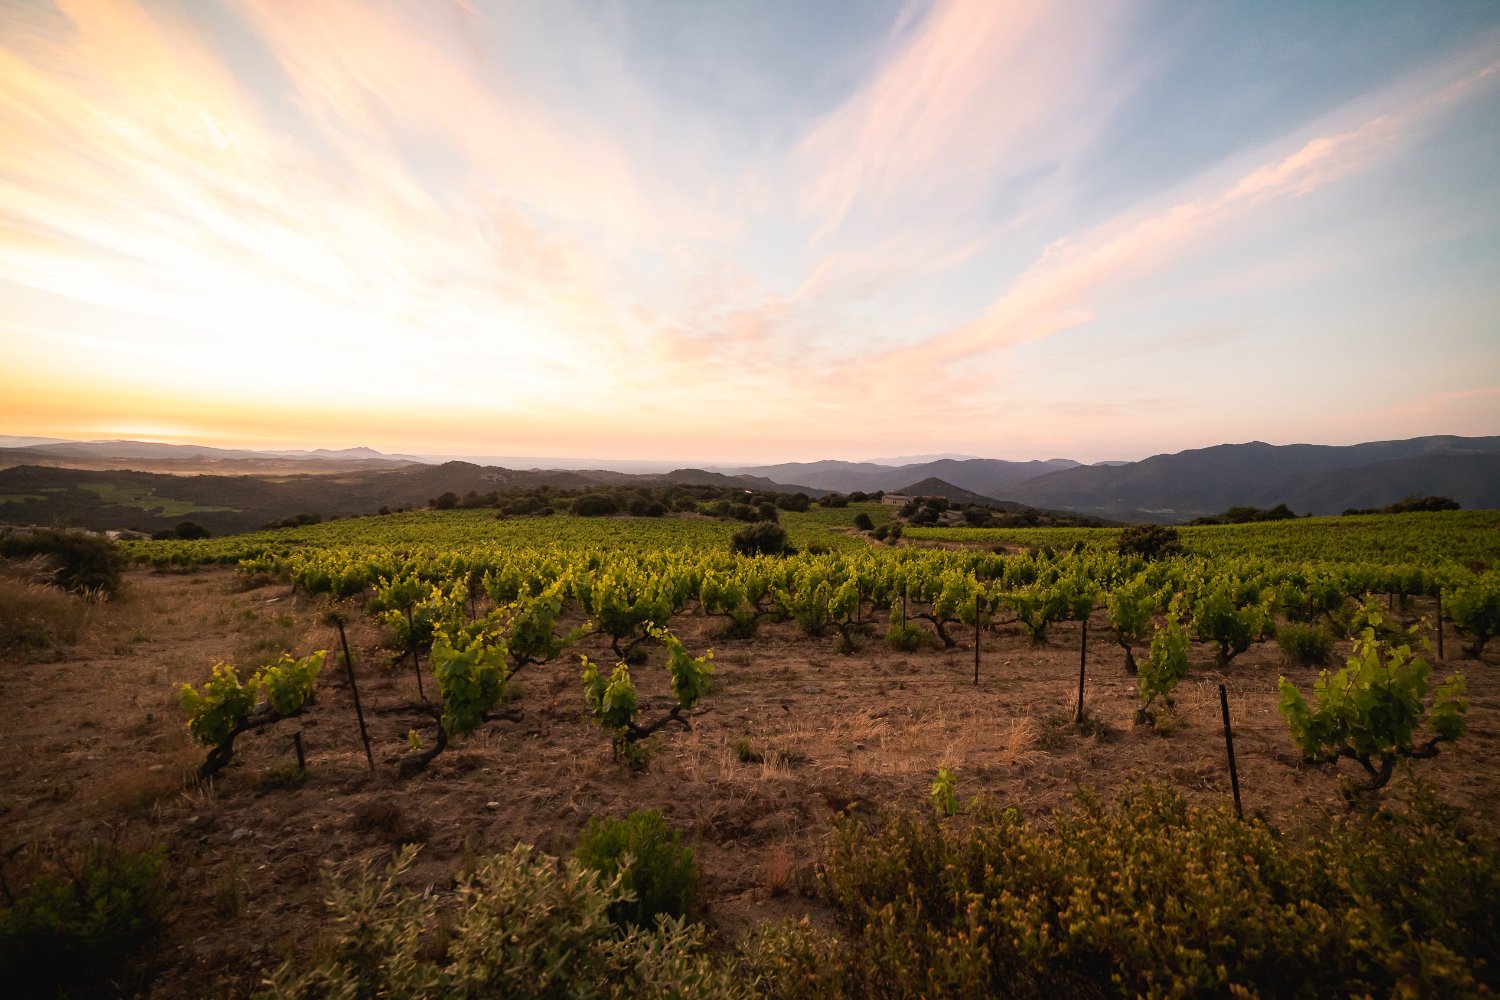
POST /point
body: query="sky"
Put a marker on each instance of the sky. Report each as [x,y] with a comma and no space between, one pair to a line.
[750,232]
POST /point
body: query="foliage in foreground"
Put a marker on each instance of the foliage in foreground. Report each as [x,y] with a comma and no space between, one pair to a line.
[521,925]
[648,858]
[1154,897]
[1149,897]
[75,930]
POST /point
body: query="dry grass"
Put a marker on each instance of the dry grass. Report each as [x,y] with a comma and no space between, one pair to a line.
[34,616]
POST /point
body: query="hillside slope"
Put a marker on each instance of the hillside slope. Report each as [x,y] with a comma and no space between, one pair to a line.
[1318,479]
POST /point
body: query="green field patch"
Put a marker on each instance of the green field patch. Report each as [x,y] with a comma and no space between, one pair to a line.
[145,499]
[22,497]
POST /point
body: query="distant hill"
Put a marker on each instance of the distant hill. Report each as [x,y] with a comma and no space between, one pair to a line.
[1317,479]
[130,484]
[149,501]
[980,475]
[188,459]
[931,487]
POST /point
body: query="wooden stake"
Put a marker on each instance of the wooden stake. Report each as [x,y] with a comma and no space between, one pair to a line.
[1440,622]
[354,689]
[1083,660]
[1234,776]
[301,754]
[976,640]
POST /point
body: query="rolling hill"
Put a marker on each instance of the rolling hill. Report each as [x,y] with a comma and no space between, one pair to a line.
[1317,479]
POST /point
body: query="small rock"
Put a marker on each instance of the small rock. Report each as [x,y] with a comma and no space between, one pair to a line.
[239,834]
[492,804]
[156,767]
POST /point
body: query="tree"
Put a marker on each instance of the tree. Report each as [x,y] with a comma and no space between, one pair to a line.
[595,505]
[761,538]
[1149,541]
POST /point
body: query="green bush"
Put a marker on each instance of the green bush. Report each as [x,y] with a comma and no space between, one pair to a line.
[761,538]
[189,531]
[75,930]
[595,505]
[520,925]
[661,873]
[904,635]
[1154,897]
[1149,541]
[862,521]
[1309,645]
[78,560]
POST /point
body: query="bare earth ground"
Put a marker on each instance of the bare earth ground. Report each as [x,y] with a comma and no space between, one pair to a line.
[93,748]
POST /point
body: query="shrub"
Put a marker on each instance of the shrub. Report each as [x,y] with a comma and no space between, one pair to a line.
[1149,541]
[1309,645]
[645,507]
[1154,897]
[862,521]
[520,925]
[648,858]
[75,930]
[941,795]
[761,538]
[446,501]
[77,560]
[595,505]
[904,635]
[187,530]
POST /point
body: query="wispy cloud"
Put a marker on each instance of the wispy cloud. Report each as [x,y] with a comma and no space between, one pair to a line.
[978,95]
[427,206]
[1055,293]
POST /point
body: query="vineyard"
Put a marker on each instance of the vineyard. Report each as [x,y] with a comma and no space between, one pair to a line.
[269,705]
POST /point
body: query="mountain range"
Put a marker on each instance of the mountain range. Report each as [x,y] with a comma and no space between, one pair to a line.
[1316,479]
[118,483]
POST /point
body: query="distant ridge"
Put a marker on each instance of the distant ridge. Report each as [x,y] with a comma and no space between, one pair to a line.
[151,456]
[932,487]
[1316,479]
[980,475]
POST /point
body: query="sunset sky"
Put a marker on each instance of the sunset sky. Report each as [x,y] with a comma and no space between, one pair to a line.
[755,231]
